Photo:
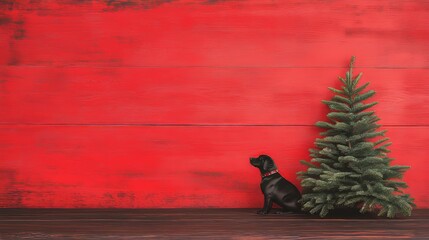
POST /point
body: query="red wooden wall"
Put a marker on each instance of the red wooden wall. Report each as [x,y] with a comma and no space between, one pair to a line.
[159,103]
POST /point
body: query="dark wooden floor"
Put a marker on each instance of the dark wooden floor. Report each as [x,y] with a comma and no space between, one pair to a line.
[200,223]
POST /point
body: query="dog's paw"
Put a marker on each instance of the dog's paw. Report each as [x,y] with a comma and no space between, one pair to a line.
[283,212]
[262,212]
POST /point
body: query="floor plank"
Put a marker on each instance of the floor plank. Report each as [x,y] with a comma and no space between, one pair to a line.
[200,223]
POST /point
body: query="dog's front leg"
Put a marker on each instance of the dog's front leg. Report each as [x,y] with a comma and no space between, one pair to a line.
[268,203]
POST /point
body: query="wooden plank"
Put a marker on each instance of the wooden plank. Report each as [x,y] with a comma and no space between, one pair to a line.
[165,167]
[201,224]
[271,96]
[251,33]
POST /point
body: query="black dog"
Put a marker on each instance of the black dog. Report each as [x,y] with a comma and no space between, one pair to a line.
[275,188]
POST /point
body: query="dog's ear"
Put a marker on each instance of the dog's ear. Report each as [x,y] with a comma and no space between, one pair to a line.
[265,165]
[268,163]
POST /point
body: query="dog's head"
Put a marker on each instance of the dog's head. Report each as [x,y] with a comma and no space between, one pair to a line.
[264,162]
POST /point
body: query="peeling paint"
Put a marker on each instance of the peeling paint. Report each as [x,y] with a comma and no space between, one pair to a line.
[217,1]
[121,4]
[19,34]
[4,20]
[7,4]
[19,29]
[14,58]
[11,196]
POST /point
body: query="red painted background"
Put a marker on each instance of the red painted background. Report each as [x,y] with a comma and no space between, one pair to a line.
[160,103]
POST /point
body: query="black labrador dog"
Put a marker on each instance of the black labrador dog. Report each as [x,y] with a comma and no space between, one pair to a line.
[275,188]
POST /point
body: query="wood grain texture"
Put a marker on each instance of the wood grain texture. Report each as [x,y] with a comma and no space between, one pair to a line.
[201,224]
[127,103]
[64,95]
[134,166]
[255,33]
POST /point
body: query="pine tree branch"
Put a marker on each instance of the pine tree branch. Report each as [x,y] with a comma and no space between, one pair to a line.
[359,89]
[362,97]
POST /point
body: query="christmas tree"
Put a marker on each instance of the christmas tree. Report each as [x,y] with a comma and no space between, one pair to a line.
[349,166]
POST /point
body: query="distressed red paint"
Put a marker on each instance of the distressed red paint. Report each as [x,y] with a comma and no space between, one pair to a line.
[160,103]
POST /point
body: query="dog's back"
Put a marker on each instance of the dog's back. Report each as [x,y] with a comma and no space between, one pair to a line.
[282,192]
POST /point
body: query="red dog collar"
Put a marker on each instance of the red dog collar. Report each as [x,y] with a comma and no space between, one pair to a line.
[270,173]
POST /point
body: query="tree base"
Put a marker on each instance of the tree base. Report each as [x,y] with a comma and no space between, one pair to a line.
[350,213]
